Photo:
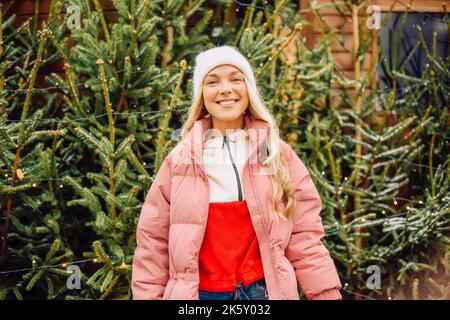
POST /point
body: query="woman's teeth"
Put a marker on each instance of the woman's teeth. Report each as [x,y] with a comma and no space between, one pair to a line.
[227,102]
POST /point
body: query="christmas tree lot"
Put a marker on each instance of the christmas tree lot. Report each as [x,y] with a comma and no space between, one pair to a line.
[78,155]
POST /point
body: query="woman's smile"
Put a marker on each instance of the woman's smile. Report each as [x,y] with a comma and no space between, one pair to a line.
[227,103]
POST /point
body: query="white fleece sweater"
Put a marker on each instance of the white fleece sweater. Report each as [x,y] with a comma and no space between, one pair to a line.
[219,168]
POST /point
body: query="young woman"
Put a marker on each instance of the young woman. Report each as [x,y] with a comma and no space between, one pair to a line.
[232,213]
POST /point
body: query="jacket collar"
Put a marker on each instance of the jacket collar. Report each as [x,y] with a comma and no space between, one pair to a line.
[257,131]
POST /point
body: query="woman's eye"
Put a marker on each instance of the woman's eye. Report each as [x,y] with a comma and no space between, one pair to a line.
[214,81]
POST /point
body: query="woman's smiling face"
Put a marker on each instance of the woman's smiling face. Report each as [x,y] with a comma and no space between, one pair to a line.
[225,93]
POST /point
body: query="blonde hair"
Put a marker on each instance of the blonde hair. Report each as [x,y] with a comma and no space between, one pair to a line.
[282,186]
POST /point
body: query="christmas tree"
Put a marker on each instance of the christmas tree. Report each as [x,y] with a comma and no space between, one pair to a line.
[77,156]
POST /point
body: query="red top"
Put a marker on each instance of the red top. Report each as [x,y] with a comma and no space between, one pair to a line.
[230,250]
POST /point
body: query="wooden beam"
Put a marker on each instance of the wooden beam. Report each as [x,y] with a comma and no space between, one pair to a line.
[430,6]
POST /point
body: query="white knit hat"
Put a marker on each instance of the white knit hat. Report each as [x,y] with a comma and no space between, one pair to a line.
[211,58]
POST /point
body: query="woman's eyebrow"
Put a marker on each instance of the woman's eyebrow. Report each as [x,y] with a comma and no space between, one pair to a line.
[216,76]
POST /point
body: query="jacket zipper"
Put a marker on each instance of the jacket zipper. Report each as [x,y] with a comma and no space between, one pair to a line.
[265,227]
[226,141]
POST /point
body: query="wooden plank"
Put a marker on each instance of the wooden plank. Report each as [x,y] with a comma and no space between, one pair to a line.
[327,7]
[349,75]
[343,43]
[345,60]
[308,30]
[324,7]
[416,5]
[26,7]
[343,24]
[334,21]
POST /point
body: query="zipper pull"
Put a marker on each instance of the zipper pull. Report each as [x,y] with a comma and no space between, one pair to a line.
[225,140]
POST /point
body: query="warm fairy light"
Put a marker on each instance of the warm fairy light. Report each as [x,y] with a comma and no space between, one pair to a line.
[64,265]
[395,201]
[34,184]
[420,202]
[345,178]
[95,260]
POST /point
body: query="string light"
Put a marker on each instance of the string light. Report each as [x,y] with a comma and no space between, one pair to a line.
[20,283]
[123,264]
[65,264]
[247,5]
[255,6]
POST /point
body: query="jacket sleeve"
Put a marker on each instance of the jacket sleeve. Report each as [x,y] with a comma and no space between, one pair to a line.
[314,268]
[150,272]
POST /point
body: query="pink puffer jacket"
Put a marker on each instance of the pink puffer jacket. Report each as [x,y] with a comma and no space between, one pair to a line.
[173,221]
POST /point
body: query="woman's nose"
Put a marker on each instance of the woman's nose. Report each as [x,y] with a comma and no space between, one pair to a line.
[225,87]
